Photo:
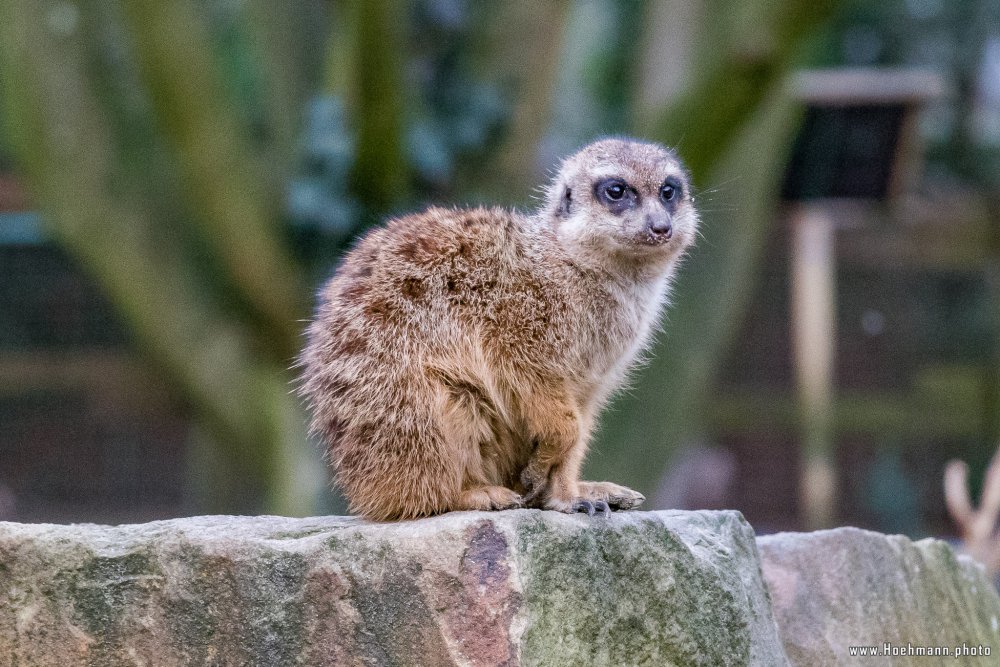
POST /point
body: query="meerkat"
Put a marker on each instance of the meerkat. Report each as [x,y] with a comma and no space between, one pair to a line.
[459,357]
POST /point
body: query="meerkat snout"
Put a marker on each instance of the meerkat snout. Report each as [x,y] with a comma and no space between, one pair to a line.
[660,226]
[459,359]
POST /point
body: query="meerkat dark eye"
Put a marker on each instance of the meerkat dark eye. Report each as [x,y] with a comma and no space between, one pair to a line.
[615,194]
[670,191]
[614,191]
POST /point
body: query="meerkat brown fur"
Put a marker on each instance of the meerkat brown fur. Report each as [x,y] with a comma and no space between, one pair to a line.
[459,357]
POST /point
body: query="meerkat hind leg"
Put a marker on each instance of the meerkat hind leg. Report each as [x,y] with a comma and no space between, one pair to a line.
[555,426]
[489,498]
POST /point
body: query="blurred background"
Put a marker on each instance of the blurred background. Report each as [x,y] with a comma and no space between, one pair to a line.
[178,178]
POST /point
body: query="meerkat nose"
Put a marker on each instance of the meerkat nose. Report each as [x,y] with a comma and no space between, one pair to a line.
[660,226]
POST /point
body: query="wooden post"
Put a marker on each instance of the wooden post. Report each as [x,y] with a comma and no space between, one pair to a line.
[813,182]
[813,301]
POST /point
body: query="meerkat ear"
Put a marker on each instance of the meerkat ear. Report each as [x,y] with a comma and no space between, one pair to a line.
[564,203]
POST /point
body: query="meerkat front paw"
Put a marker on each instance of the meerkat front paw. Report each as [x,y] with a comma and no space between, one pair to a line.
[616,496]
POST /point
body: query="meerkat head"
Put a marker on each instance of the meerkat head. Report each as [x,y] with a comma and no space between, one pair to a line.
[623,197]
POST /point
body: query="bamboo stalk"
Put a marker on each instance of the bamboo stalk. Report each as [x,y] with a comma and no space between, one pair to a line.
[373,31]
[66,152]
[236,211]
[531,65]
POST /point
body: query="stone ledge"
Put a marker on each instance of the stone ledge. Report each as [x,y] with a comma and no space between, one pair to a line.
[516,588]
[834,589]
[510,588]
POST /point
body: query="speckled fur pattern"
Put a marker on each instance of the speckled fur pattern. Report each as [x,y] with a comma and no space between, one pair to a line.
[459,357]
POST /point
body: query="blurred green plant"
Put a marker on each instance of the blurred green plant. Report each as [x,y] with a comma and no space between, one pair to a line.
[167,146]
[160,141]
[153,187]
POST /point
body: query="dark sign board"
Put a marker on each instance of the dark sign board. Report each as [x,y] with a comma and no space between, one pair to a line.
[844,151]
[856,136]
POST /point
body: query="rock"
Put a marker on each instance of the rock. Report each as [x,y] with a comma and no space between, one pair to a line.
[847,587]
[509,588]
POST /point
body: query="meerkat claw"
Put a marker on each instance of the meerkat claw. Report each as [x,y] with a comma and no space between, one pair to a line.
[585,506]
[602,507]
